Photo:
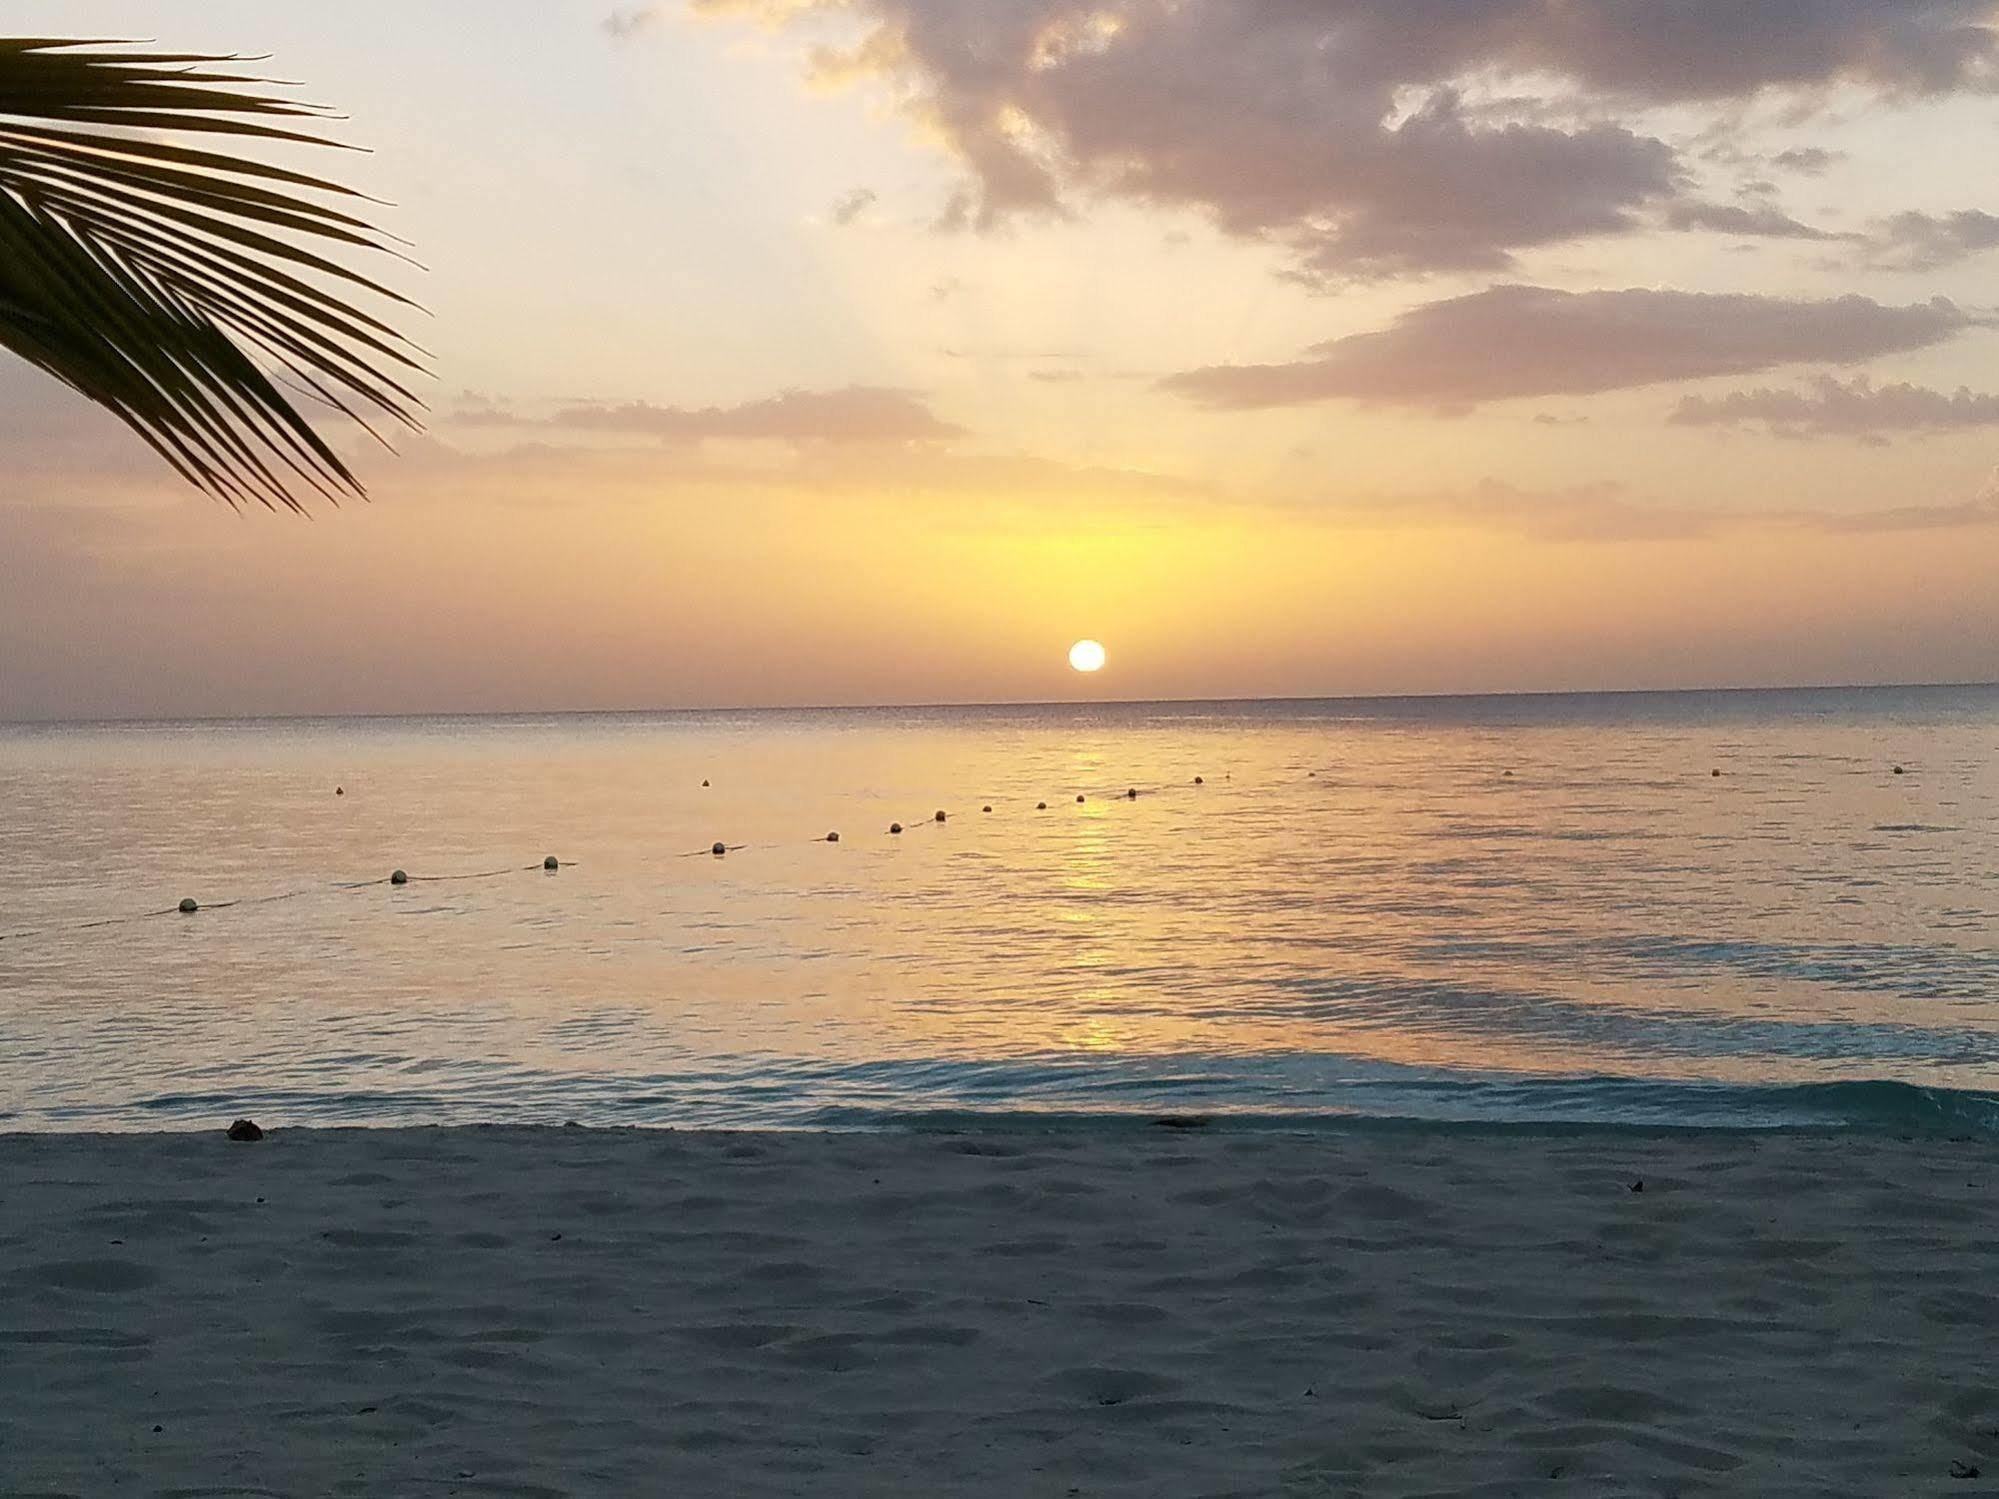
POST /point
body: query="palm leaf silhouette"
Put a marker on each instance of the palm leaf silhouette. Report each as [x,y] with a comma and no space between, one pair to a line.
[177,284]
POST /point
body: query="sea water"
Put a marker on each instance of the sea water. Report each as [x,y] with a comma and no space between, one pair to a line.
[1448,909]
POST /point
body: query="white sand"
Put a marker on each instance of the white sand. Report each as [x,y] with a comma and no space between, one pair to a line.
[529,1312]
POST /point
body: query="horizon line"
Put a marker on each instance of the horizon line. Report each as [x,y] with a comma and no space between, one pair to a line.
[138,720]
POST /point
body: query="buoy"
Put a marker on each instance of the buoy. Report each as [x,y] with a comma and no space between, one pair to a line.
[988,807]
[1507,773]
[895,827]
[1132,794]
[1041,806]
[1716,774]
[704,783]
[1200,780]
[189,905]
[339,790]
[1898,770]
[940,814]
[1079,796]
[832,837]
[719,849]
[399,878]
[551,862]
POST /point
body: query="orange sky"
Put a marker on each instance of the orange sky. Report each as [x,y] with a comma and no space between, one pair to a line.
[785,356]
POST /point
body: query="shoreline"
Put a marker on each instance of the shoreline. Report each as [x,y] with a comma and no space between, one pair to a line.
[547,1310]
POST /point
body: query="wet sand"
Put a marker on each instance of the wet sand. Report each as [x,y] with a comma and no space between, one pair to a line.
[1138,1312]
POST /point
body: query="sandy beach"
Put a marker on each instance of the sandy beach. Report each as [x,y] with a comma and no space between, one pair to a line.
[1146,1312]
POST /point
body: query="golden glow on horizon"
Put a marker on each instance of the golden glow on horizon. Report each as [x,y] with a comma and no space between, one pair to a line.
[1087,656]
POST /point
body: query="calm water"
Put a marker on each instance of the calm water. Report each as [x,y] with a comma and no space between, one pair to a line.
[1529,908]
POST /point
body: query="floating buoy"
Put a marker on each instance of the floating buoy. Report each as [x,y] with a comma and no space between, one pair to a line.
[704,783]
[189,905]
[895,827]
[1898,770]
[1079,796]
[832,837]
[1716,774]
[551,862]
[339,790]
[1041,806]
[940,814]
[400,877]
[1132,794]
[1507,773]
[988,807]
[1200,780]
[719,849]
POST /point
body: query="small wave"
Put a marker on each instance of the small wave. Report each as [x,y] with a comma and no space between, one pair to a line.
[1290,1091]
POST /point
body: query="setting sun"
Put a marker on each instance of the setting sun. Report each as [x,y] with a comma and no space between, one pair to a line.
[1087,655]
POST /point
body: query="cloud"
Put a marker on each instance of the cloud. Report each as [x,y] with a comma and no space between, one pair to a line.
[852,414]
[1608,511]
[1371,137]
[1829,407]
[624,24]
[1927,242]
[851,205]
[1758,220]
[1807,161]
[1513,341]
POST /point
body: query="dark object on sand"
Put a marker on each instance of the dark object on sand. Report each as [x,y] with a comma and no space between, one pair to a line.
[1898,770]
[895,827]
[1041,806]
[339,790]
[940,814]
[1639,1185]
[189,905]
[1079,798]
[245,1129]
[832,837]
[1715,773]
[1182,1121]
[988,807]
[551,862]
[400,877]
[704,783]
[1132,794]
[719,849]
[1200,780]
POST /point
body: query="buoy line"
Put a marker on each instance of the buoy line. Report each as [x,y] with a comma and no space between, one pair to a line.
[190,906]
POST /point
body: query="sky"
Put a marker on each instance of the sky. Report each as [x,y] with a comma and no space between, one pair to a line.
[873,351]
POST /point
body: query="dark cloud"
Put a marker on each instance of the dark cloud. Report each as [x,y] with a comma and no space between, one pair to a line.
[855,413]
[1830,407]
[624,24]
[851,205]
[1806,161]
[1755,220]
[1365,134]
[1514,341]
[1926,242]
[628,22]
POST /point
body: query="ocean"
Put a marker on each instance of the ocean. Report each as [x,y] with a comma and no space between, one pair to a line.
[1706,909]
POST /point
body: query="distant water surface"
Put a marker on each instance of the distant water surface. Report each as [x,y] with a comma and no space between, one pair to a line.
[1483,909]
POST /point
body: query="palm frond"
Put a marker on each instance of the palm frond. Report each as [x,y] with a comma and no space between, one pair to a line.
[179,285]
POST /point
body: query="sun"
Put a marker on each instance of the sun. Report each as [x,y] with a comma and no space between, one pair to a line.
[1087,655]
